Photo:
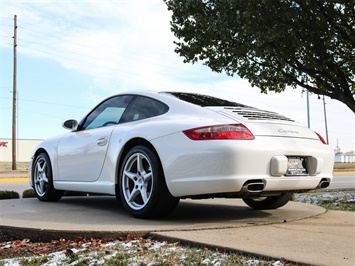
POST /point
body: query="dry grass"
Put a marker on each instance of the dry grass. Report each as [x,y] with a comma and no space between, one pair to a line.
[127,252]
[7,166]
[341,200]
[343,166]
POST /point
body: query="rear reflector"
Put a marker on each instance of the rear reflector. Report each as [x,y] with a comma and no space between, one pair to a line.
[234,131]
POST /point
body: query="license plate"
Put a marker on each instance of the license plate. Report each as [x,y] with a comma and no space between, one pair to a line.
[296,166]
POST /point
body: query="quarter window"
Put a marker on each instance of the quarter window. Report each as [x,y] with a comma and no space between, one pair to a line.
[143,107]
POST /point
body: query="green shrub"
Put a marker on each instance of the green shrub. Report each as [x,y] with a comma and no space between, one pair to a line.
[29,193]
[6,194]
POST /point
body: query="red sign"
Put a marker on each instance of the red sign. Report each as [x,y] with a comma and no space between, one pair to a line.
[3,144]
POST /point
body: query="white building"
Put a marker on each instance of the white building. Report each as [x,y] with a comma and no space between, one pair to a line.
[24,148]
[344,158]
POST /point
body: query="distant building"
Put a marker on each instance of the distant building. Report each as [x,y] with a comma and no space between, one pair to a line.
[24,148]
[340,157]
[344,158]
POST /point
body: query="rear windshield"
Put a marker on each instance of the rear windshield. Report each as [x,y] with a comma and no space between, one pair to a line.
[203,100]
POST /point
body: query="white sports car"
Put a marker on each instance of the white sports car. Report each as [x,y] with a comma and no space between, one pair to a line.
[151,149]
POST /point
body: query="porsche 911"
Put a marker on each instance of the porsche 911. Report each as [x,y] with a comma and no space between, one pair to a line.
[151,149]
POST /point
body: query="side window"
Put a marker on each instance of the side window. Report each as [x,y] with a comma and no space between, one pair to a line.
[107,113]
[143,107]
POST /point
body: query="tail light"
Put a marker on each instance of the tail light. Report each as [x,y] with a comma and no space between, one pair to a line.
[321,139]
[234,131]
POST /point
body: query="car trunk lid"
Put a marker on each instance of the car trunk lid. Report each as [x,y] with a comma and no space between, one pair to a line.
[266,123]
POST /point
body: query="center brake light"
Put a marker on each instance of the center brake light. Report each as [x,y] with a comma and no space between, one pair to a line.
[215,132]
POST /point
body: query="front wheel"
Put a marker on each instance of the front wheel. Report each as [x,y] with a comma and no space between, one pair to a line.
[268,203]
[43,179]
[142,185]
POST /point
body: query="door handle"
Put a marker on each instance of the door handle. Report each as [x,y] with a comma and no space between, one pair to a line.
[102,141]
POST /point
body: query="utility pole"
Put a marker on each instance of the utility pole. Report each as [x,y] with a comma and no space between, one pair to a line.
[308,116]
[325,120]
[14,91]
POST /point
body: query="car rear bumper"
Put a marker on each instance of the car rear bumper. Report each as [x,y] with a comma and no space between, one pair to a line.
[242,186]
[226,166]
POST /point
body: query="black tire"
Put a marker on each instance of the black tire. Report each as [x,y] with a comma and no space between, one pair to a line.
[43,179]
[142,186]
[268,203]
[118,193]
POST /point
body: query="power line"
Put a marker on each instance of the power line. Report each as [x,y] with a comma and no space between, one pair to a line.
[43,114]
[51,103]
[7,18]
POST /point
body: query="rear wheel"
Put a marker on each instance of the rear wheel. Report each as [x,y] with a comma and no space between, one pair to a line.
[268,203]
[43,180]
[142,185]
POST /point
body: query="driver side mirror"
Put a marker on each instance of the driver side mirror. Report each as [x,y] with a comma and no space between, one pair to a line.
[70,124]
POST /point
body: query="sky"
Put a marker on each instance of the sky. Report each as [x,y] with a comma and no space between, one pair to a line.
[71,55]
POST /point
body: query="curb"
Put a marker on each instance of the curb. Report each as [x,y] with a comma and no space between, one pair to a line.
[11,233]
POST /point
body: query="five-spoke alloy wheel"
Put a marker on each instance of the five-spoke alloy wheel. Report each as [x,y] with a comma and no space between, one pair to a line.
[43,180]
[142,185]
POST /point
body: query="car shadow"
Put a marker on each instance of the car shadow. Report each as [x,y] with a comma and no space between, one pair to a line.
[188,211]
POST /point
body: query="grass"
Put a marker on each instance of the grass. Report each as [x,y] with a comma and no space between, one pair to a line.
[341,200]
[344,166]
[7,166]
[142,252]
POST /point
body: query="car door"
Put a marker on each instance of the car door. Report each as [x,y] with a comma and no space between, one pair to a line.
[81,153]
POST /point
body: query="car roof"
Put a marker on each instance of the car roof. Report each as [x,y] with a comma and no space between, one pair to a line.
[188,97]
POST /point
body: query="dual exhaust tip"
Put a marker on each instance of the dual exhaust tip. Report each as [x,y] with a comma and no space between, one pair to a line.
[324,183]
[258,185]
[253,186]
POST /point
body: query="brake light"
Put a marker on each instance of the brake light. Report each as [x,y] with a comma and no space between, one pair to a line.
[321,139]
[235,131]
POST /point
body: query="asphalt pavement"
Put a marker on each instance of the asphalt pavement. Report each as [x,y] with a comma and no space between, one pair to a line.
[298,232]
